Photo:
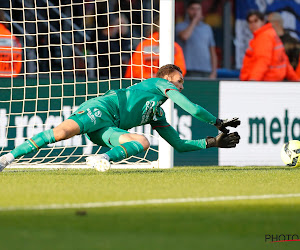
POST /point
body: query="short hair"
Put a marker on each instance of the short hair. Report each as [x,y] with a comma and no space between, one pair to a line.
[257,13]
[275,17]
[193,2]
[167,69]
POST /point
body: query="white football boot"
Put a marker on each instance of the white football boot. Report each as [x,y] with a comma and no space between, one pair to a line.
[5,160]
[98,162]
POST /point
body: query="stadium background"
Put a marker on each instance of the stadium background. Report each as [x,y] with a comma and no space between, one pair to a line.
[205,92]
[211,207]
[216,14]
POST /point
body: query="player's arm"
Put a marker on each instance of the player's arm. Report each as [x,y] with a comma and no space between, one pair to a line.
[195,110]
[200,113]
[172,137]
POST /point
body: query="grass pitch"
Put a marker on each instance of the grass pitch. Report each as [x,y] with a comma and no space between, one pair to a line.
[232,224]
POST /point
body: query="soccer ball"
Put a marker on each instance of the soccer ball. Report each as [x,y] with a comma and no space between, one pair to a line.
[290,153]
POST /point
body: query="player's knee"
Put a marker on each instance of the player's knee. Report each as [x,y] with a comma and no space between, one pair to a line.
[135,137]
[66,130]
[145,143]
[59,134]
[62,134]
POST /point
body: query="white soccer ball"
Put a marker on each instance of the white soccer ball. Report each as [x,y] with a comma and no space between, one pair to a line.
[98,162]
[290,153]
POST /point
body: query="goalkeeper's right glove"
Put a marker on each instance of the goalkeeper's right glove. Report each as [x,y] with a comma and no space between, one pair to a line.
[223,140]
[223,124]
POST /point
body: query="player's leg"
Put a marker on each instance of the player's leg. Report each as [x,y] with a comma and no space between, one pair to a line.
[122,143]
[65,130]
[127,145]
[135,137]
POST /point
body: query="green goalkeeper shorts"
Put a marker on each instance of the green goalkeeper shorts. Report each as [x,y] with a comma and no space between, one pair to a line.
[97,113]
[107,136]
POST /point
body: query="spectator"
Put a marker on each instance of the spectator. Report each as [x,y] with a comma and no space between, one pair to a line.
[198,44]
[144,63]
[10,51]
[291,44]
[265,58]
[113,48]
[298,68]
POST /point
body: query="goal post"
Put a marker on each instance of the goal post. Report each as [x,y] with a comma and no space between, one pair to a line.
[72,51]
[166,56]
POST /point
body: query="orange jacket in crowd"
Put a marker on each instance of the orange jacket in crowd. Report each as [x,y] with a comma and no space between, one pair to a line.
[265,59]
[298,68]
[10,53]
[140,65]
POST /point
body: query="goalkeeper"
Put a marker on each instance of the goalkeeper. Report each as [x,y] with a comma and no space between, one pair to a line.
[106,119]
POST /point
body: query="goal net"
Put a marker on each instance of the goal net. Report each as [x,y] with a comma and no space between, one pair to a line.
[56,54]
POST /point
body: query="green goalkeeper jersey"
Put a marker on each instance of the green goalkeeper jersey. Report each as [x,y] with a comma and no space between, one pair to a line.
[134,106]
[140,103]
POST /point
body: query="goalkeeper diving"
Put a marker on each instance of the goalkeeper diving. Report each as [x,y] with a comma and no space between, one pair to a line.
[106,119]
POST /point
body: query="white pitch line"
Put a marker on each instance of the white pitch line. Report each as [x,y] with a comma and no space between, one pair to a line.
[149,202]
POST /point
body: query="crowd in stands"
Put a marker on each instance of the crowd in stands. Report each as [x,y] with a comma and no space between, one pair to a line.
[109,56]
[265,59]
[10,51]
[118,49]
[144,62]
[290,43]
[197,40]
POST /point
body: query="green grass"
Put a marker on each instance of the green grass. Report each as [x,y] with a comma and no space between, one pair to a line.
[212,225]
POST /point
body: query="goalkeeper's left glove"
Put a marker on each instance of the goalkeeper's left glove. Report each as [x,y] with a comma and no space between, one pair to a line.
[223,140]
[222,124]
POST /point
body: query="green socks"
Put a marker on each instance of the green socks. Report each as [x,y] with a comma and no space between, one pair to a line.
[35,143]
[125,150]
[40,140]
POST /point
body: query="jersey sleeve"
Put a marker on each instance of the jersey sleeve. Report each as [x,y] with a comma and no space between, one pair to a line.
[172,137]
[167,132]
[159,120]
[164,85]
[195,110]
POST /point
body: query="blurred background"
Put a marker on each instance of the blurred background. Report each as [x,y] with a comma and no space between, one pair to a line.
[79,26]
[56,54]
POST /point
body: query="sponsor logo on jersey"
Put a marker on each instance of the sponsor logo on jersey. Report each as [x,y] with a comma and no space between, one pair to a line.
[97,112]
[148,111]
[91,116]
[152,109]
[159,111]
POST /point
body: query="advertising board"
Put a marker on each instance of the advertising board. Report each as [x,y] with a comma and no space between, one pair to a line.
[269,114]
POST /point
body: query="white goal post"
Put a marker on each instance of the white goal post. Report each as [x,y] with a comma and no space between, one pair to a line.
[166,56]
[71,51]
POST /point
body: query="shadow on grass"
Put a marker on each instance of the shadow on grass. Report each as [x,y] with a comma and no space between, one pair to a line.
[200,169]
[187,169]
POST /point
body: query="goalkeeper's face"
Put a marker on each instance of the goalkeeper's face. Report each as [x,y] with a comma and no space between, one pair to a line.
[177,79]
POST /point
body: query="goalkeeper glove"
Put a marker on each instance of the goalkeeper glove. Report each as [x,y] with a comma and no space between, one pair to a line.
[222,124]
[223,140]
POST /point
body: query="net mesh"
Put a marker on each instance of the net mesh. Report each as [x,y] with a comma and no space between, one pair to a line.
[56,54]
